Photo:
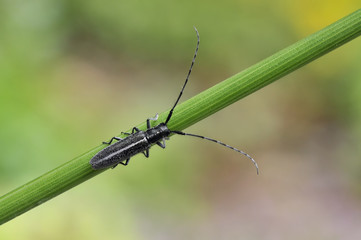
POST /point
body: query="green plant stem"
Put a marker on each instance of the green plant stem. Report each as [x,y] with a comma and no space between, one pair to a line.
[191,111]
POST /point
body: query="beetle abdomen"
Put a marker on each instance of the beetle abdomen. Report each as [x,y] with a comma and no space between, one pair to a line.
[120,151]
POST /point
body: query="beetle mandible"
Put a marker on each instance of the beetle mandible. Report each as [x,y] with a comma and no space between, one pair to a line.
[140,141]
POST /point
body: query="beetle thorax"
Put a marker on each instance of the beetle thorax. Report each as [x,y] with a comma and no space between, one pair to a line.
[157,133]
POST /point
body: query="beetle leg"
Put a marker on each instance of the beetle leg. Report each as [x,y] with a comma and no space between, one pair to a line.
[125,163]
[154,119]
[135,129]
[111,140]
[146,153]
[162,145]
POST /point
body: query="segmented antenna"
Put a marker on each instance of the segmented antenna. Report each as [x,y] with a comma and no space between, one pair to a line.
[216,141]
[185,83]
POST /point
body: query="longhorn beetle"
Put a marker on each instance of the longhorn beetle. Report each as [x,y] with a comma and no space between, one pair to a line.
[140,141]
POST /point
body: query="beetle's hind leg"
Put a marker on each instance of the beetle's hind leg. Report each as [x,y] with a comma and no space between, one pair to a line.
[125,163]
[134,130]
[111,140]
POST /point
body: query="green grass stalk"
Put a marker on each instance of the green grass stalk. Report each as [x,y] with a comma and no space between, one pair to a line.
[190,112]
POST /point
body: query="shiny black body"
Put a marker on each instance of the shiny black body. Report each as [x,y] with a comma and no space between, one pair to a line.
[137,142]
[140,141]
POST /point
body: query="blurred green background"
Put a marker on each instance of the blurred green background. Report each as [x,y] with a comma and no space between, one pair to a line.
[76,73]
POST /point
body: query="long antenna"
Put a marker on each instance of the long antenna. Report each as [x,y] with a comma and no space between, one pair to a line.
[185,83]
[216,141]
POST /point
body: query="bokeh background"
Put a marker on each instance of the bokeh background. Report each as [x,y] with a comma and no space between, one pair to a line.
[75,73]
